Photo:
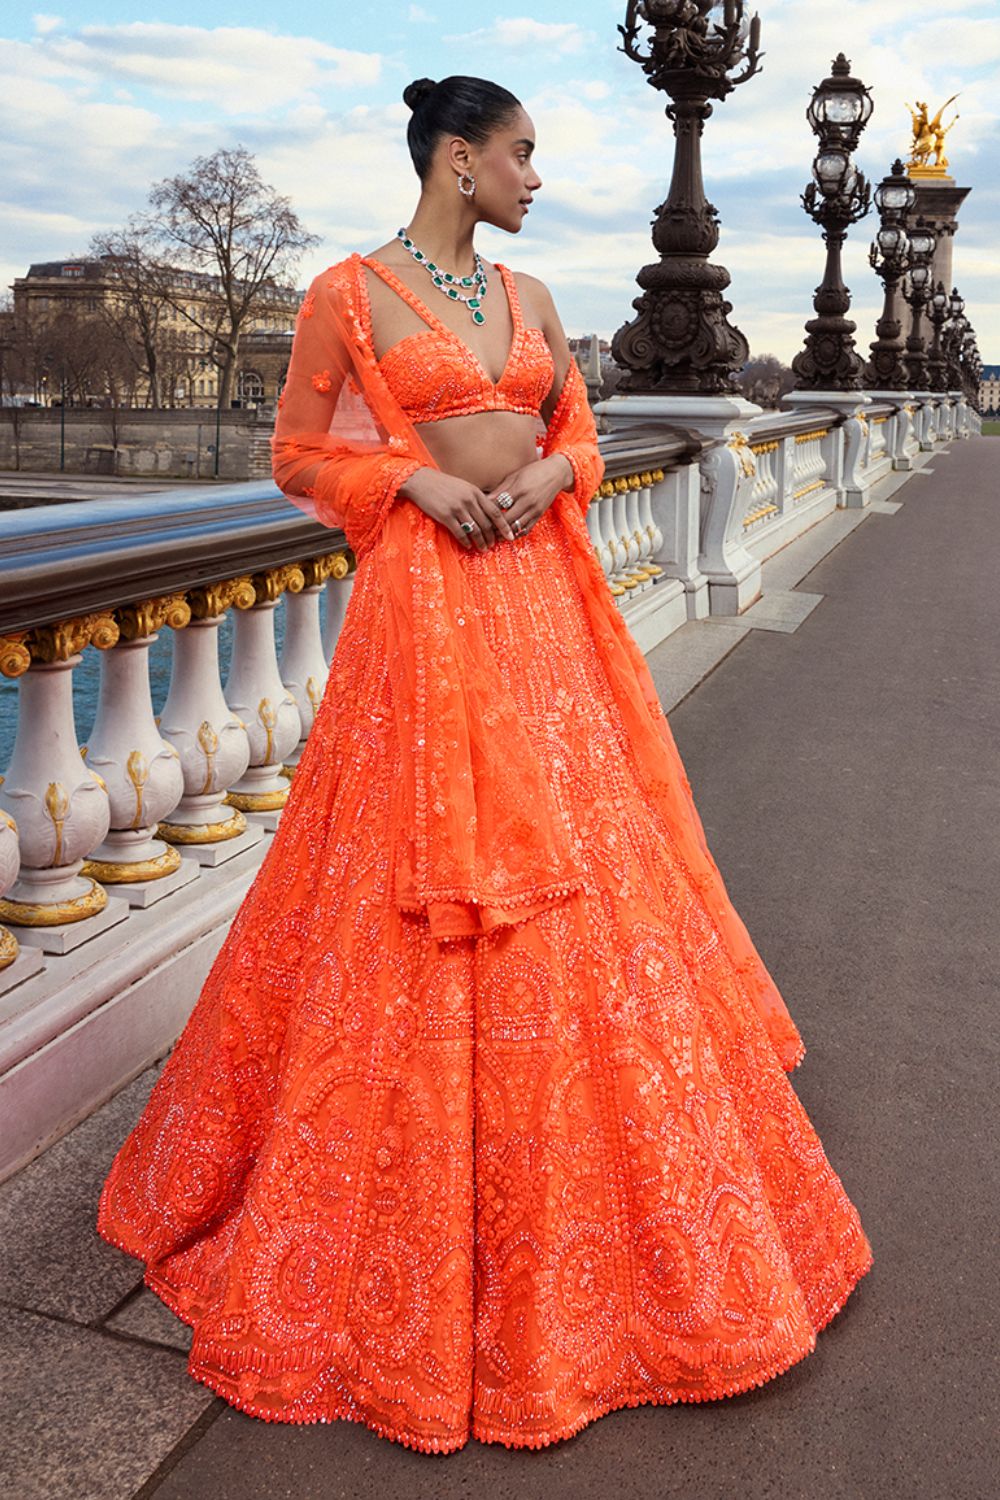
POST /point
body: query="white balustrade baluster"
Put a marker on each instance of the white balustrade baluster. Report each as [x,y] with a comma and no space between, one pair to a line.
[10,861]
[254,690]
[60,806]
[648,523]
[210,738]
[303,665]
[600,521]
[625,545]
[638,537]
[141,769]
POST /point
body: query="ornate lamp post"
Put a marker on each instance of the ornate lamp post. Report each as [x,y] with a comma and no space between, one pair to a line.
[952,337]
[937,364]
[890,256]
[837,197]
[681,341]
[916,290]
[971,365]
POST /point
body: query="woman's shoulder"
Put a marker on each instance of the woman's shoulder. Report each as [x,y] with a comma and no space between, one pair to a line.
[342,274]
[337,284]
[535,298]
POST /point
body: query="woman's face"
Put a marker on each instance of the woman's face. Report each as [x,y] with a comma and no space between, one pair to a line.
[505,177]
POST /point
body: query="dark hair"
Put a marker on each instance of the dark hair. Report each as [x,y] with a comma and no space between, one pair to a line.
[469,107]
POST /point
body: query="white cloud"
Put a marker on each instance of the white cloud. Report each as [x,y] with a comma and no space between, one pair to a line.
[238,68]
[78,161]
[417,14]
[44,24]
[523,34]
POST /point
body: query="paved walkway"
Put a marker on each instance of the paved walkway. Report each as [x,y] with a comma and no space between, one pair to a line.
[844,755]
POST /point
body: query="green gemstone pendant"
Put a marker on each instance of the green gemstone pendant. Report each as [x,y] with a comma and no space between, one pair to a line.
[449,284]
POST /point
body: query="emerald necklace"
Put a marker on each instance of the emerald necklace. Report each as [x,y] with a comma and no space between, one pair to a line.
[449,284]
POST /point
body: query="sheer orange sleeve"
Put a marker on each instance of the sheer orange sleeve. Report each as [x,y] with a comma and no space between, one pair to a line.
[331,456]
[573,432]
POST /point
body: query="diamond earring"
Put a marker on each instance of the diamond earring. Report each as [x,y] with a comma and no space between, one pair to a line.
[469,191]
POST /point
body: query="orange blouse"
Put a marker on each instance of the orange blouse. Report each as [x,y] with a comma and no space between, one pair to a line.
[433,374]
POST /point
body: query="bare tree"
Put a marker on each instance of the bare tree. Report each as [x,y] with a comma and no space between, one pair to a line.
[221,219]
[86,361]
[765,379]
[17,368]
[136,307]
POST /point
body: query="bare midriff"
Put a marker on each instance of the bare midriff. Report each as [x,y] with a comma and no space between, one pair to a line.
[484,447]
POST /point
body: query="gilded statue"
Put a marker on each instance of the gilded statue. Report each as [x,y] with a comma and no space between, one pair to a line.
[928,136]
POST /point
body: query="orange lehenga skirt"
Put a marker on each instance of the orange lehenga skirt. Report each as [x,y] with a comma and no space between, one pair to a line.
[498,1186]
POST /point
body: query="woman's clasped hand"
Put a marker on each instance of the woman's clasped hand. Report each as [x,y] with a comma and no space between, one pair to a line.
[450,500]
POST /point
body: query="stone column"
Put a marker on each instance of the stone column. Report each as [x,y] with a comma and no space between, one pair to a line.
[938,201]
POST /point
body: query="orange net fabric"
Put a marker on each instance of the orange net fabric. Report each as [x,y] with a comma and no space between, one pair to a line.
[481,1123]
[476,838]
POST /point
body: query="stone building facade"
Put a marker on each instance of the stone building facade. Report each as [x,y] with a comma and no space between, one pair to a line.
[86,288]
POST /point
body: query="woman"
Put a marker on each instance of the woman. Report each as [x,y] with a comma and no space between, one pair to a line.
[481,1124]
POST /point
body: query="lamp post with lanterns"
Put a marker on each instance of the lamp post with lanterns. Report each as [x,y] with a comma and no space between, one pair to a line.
[681,341]
[937,364]
[951,338]
[917,291]
[837,197]
[889,256]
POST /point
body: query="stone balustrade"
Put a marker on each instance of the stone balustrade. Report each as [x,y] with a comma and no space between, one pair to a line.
[123,859]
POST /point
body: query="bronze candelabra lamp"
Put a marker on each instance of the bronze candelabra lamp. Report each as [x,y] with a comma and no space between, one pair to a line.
[681,341]
[836,198]
[889,256]
[937,361]
[917,291]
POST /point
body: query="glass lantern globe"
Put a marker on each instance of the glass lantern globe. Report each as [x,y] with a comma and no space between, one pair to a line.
[830,170]
[956,305]
[919,277]
[893,240]
[922,241]
[894,196]
[939,301]
[840,108]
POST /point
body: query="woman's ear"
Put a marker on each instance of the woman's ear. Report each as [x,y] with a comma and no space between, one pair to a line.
[458,154]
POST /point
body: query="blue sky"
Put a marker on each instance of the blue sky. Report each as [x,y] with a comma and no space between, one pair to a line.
[100,99]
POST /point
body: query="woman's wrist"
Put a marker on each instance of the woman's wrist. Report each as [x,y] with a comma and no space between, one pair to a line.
[412,485]
[568,473]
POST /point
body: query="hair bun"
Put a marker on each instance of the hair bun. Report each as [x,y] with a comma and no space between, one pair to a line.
[418,90]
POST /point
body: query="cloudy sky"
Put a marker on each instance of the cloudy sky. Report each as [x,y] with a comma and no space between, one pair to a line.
[100,98]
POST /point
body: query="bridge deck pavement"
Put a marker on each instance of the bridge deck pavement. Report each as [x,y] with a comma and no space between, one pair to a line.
[844,759]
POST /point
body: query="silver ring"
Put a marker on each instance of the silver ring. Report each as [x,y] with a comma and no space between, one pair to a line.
[505,499]
[468,526]
[516,525]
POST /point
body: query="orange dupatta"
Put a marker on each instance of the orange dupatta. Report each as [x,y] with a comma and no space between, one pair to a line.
[477,839]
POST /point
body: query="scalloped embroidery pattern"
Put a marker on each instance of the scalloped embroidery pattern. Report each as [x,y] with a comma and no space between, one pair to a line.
[494,1187]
